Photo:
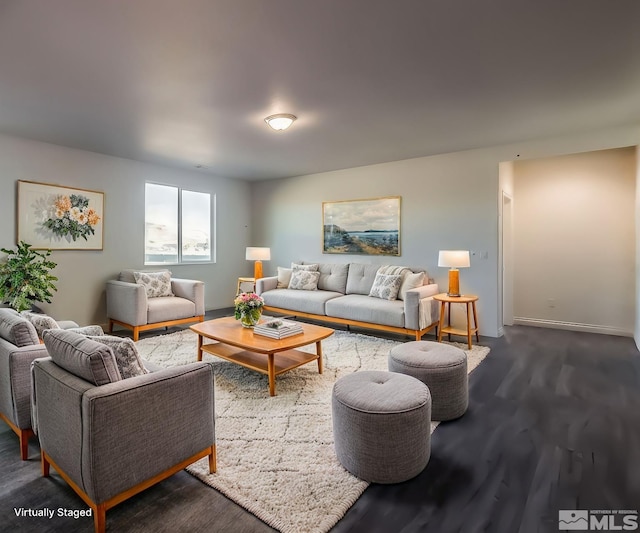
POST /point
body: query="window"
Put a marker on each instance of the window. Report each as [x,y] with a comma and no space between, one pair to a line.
[177,225]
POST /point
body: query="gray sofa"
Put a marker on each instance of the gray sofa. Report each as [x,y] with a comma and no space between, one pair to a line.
[342,297]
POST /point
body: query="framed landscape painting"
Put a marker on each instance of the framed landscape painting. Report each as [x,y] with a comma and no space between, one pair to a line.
[59,218]
[370,226]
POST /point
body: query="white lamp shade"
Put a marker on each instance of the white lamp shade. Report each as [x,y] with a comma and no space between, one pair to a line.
[454,258]
[258,254]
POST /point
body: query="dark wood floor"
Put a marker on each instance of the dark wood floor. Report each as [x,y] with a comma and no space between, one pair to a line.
[553,423]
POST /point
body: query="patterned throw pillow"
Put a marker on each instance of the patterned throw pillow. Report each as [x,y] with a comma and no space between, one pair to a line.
[126,354]
[386,286]
[88,330]
[156,284]
[40,321]
[313,268]
[304,280]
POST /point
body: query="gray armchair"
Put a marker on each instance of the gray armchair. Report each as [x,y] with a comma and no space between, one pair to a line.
[128,305]
[19,346]
[110,438]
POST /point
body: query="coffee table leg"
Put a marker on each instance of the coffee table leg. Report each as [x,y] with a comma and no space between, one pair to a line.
[199,347]
[272,375]
[319,352]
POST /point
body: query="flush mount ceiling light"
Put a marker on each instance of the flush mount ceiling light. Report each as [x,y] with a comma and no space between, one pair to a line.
[281,121]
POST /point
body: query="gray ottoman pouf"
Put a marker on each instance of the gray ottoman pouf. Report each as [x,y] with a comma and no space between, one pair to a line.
[382,425]
[442,368]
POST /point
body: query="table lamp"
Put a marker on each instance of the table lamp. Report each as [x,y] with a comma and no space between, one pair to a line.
[454,259]
[258,255]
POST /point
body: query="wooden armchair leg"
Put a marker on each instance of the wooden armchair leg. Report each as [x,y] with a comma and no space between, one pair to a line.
[212,460]
[136,333]
[100,518]
[24,443]
[110,326]
[44,464]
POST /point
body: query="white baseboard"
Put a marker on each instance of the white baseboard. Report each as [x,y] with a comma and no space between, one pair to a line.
[572,326]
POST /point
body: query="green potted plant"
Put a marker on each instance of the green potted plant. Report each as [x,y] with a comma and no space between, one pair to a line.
[25,277]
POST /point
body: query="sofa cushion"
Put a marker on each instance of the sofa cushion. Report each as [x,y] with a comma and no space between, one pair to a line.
[294,300]
[92,361]
[284,277]
[305,280]
[156,284]
[40,321]
[360,278]
[386,286]
[163,309]
[411,281]
[126,354]
[17,329]
[367,309]
[333,277]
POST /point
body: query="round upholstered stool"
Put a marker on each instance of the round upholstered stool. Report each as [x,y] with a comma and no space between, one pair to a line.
[382,425]
[442,368]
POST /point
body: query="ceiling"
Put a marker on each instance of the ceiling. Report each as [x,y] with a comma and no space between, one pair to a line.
[187,83]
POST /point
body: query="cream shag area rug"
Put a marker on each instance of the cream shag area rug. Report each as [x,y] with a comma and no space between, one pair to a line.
[275,454]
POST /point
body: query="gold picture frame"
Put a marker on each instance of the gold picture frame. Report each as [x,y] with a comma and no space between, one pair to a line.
[59,218]
[369,227]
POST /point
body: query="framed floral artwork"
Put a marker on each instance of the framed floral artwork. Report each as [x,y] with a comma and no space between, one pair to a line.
[60,218]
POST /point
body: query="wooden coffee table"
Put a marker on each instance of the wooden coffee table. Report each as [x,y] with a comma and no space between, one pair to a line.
[265,355]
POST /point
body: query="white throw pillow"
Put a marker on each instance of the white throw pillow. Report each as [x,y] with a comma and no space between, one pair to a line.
[304,280]
[297,266]
[386,286]
[284,277]
[156,284]
[411,281]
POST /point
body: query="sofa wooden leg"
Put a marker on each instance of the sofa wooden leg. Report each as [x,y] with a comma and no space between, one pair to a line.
[110,326]
[44,464]
[136,333]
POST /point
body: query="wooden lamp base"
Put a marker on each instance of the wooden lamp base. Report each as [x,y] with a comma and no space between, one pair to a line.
[454,282]
[257,269]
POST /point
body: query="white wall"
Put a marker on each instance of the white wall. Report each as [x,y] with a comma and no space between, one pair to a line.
[637,317]
[575,241]
[448,201]
[82,274]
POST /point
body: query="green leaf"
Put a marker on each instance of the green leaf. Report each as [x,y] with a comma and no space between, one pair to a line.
[25,277]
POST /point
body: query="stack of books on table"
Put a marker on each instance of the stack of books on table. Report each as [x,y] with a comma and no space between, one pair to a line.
[277,328]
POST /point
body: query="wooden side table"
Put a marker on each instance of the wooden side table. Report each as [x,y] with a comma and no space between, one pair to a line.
[470,301]
[245,280]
